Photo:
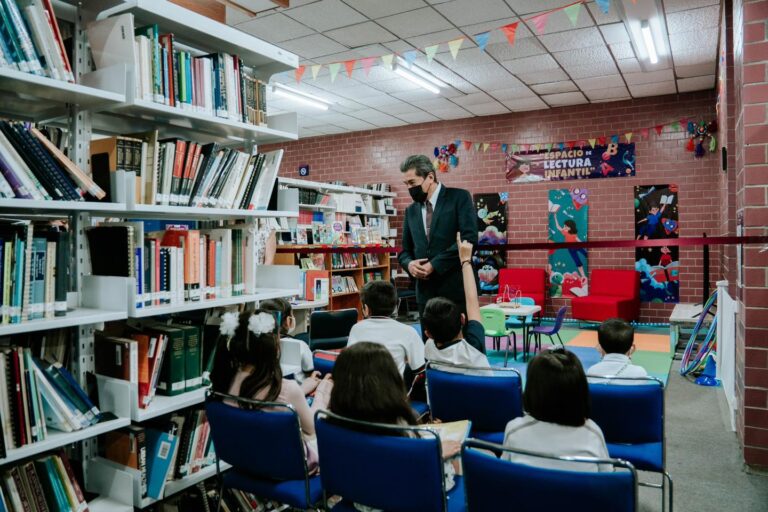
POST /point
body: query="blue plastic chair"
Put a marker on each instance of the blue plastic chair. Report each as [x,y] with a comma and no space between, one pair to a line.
[490,401]
[264,447]
[389,467]
[632,420]
[330,329]
[547,330]
[490,481]
[514,322]
[323,364]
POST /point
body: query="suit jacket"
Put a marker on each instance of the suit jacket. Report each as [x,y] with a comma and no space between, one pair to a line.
[455,212]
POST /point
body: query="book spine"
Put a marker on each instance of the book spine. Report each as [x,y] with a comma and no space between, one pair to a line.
[62,267]
[83,505]
[25,42]
[49,13]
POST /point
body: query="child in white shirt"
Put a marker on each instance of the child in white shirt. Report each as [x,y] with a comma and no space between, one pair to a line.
[443,322]
[287,323]
[379,300]
[617,343]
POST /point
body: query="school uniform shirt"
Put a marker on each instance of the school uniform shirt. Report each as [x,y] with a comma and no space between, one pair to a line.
[529,434]
[401,340]
[615,365]
[461,352]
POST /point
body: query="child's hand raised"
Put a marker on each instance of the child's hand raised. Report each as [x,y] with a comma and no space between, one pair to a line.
[465,249]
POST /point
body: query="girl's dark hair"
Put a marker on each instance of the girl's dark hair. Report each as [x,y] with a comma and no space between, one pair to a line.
[571,225]
[368,387]
[556,389]
[281,306]
[245,348]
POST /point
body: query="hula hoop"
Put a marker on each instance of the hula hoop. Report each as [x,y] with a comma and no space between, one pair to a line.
[688,364]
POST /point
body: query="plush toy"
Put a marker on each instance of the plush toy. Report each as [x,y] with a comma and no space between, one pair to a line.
[699,133]
[445,156]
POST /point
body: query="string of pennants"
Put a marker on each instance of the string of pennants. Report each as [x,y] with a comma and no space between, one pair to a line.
[628,137]
[539,22]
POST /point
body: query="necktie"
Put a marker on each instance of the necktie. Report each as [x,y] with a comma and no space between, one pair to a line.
[429,218]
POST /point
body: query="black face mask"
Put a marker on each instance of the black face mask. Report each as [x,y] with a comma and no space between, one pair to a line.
[417,193]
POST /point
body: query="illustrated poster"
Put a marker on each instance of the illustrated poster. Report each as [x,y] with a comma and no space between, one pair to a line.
[612,160]
[656,217]
[491,229]
[568,221]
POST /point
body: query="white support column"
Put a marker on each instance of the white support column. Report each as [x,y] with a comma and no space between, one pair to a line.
[726,348]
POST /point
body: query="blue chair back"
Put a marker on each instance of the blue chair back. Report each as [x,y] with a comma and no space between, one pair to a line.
[263,443]
[330,329]
[559,319]
[631,414]
[489,401]
[524,301]
[489,481]
[398,469]
[324,365]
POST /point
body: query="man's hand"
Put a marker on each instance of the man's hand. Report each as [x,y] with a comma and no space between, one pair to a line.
[465,249]
[428,269]
[420,269]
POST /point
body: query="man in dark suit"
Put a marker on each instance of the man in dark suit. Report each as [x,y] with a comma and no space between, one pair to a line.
[429,252]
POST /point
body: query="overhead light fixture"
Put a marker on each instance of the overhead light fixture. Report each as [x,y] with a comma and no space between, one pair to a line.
[300,97]
[418,76]
[650,46]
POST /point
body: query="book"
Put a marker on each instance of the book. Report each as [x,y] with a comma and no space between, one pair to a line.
[172,380]
[160,445]
[112,250]
[193,371]
[116,357]
[128,446]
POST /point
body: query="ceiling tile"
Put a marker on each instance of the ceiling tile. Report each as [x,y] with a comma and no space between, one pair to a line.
[398,46]
[695,57]
[357,91]
[454,112]
[662,75]
[565,98]
[527,6]
[683,42]
[541,77]
[467,12]
[416,96]
[398,84]
[435,104]
[377,9]
[496,36]
[417,117]
[600,82]
[275,28]
[587,62]
[376,117]
[415,23]
[607,93]
[555,87]
[531,64]
[473,99]
[361,34]
[487,109]
[697,83]
[234,16]
[600,18]
[439,37]
[401,107]
[615,33]
[683,5]
[512,93]
[629,65]
[693,19]
[488,76]
[468,58]
[356,124]
[382,102]
[326,15]
[653,89]
[559,22]
[521,49]
[572,39]
[522,104]
[622,50]
[708,68]
[313,46]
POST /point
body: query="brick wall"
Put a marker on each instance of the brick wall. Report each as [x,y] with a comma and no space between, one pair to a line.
[374,156]
[750,57]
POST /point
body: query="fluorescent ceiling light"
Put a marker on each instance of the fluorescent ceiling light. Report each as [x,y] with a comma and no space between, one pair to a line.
[650,46]
[408,75]
[421,73]
[300,97]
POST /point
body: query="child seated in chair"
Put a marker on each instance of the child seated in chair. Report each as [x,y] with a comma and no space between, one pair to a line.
[556,421]
[443,322]
[617,343]
[379,300]
[287,324]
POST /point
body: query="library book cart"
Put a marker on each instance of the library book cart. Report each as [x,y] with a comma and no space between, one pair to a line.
[107,102]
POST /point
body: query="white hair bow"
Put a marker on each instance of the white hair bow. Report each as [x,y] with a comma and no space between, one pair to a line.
[261,323]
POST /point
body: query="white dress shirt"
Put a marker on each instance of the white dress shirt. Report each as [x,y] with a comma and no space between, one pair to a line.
[615,365]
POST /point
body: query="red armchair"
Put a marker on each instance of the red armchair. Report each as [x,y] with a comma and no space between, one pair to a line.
[612,294]
[530,281]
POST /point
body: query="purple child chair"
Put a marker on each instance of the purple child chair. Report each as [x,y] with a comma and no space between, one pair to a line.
[553,330]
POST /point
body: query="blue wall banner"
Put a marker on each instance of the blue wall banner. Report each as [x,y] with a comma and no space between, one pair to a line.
[612,160]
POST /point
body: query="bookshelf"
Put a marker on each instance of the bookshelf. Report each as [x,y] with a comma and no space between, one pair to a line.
[102,102]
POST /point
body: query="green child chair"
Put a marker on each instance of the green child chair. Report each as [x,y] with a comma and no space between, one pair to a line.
[494,321]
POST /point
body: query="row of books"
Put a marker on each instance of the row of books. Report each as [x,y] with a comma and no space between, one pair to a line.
[314,285]
[35,395]
[32,167]
[179,172]
[30,39]
[343,284]
[163,451]
[372,260]
[372,276]
[159,358]
[42,485]
[178,264]
[313,197]
[205,497]
[216,84]
[34,261]
[344,260]
[378,187]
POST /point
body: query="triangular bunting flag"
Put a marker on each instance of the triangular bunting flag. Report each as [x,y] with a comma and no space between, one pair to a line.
[482,40]
[659,128]
[548,146]
[494,146]
[604,5]
[477,146]
[387,60]
[628,136]
[504,148]
[675,126]
[540,22]
[299,73]
[614,139]
[457,142]
[683,122]
[515,148]
[592,142]
[486,145]
[431,51]
[410,56]
[572,11]
[570,144]
[467,144]
[560,146]
[333,68]
[350,65]
[454,46]
[524,148]
[316,70]
[509,31]
[644,133]
[601,141]
[367,64]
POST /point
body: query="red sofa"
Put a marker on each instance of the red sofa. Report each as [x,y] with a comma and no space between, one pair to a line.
[531,281]
[612,294]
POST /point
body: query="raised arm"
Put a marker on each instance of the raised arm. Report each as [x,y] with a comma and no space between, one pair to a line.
[468,274]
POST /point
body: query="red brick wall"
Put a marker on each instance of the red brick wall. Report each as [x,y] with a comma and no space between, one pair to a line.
[374,156]
[750,56]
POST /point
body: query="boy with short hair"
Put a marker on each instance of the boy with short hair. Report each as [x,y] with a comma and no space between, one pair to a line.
[617,343]
[443,322]
[379,300]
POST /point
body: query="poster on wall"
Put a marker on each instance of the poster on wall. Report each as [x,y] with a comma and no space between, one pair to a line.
[612,160]
[656,218]
[492,230]
[568,220]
